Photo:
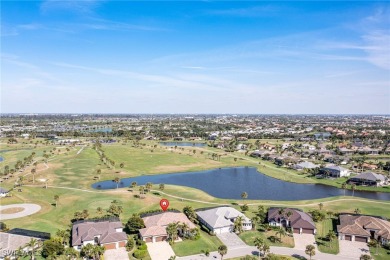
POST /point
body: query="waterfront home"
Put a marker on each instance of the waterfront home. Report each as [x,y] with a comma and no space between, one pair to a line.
[362,228]
[221,220]
[335,171]
[155,226]
[305,165]
[299,221]
[369,179]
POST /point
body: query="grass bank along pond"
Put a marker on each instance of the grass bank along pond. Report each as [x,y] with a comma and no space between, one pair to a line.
[229,183]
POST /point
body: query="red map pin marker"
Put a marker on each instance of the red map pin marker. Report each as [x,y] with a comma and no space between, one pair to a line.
[164,204]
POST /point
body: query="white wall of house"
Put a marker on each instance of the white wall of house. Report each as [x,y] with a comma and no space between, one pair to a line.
[223,230]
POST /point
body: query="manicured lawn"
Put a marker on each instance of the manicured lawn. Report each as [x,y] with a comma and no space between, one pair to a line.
[323,229]
[191,247]
[383,254]
[249,237]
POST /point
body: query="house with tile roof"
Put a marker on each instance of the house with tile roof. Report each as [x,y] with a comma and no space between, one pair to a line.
[155,225]
[108,233]
[299,221]
[17,239]
[362,228]
[221,220]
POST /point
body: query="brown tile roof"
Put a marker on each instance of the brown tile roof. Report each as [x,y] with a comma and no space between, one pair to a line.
[298,219]
[88,230]
[360,225]
[155,225]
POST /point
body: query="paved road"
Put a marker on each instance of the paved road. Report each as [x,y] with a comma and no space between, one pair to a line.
[29,209]
[251,250]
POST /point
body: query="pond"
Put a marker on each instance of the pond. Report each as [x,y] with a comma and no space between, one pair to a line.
[192,144]
[229,183]
[1,159]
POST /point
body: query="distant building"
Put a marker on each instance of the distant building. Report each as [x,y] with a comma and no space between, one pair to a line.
[305,165]
[3,192]
[335,171]
[322,135]
[369,179]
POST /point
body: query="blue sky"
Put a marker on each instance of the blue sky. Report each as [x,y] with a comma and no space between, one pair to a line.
[195,57]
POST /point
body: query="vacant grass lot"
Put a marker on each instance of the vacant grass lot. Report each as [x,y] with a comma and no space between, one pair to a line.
[380,253]
[249,237]
[192,247]
[323,229]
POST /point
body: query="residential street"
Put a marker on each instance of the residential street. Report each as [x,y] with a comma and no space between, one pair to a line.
[249,250]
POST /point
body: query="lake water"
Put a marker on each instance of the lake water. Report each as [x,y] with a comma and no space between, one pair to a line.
[1,159]
[183,144]
[229,183]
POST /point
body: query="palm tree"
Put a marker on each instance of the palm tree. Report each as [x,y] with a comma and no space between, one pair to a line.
[357,211]
[117,182]
[281,232]
[254,221]
[98,251]
[288,215]
[56,198]
[172,231]
[238,224]
[141,191]
[99,210]
[161,186]
[259,243]
[99,172]
[331,236]
[184,229]
[321,206]
[244,195]
[121,165]
[344,187]
[310,251]
[222,250]
[353,187]
[133,184]
[33,171]
[149,186]
[32,245]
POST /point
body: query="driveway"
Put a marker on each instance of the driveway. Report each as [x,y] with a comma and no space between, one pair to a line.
[28,209]
[353,249]
[302,240]
[231,240]
[115,254]
[160,250]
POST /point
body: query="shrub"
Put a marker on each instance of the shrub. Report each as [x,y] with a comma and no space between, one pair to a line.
[130,244]
[139,253]
[143,247]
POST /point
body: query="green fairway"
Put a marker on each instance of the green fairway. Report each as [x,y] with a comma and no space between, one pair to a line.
[70,174]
